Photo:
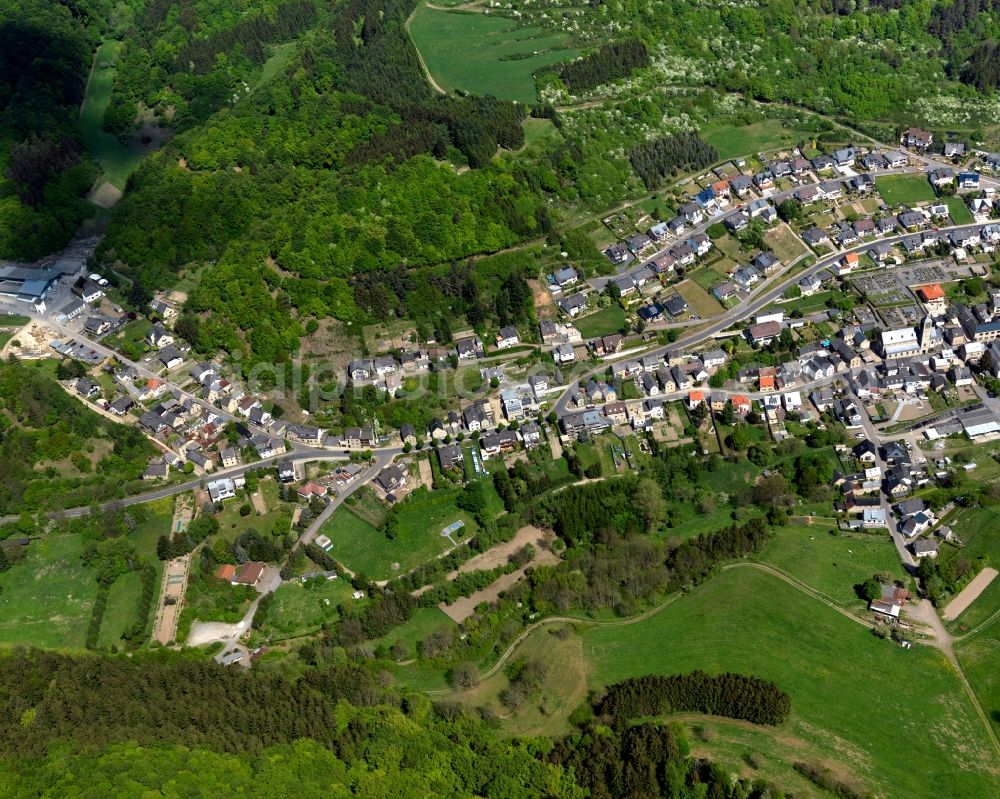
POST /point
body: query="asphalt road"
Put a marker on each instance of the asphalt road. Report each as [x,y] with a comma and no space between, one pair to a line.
[383,457]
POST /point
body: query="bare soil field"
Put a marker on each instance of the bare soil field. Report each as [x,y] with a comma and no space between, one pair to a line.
[499,555]
[969,594]
[466,606]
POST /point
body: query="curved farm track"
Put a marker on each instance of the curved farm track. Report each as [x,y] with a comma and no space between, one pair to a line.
[943,643]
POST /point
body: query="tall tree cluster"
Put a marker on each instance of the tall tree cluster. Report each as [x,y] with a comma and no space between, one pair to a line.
[664,157]
[610,62]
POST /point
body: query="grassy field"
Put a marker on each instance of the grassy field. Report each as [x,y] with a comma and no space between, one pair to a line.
[958,211]
[986,604]
[120,613]
[363,548]
[281,55]
[700,301]
[115,158]
[847,687]
[13,320]
[767,135]
[303,608]
[422,623]
[979,657]
[786,245]
[904,189]
[538,130]
[484,54]
[46,597]
[831,563]
[600,323]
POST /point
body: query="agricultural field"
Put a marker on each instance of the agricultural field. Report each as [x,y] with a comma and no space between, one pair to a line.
[836,672]
[904,189]
[46,596]
[361,547]
[484,54]
[600,323]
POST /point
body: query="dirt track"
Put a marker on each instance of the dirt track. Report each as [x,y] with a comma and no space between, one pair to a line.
[969,594]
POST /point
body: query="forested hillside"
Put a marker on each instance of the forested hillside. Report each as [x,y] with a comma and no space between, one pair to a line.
[54,452]
[122,727]
[45,54]
[325,173]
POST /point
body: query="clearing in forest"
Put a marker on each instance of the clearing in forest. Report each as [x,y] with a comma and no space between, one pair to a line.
[484,54]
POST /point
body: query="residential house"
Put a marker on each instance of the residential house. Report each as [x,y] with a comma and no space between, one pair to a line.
[942,176]
[158,336]
[916,138]
[724,291]
[815,237]
[170,357]
[968,180]
[507,337]
[954,149]
[392,478]
[449,456]
[617,253]
[573,304]
[763,333]
[564,353]
[361,369]
[469,347]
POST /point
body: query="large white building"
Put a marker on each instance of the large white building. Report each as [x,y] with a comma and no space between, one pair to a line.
[899,343]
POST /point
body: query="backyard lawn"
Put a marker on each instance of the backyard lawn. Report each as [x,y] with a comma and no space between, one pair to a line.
[699,300]
[600,323]
[786,245]
[303,608]
[361,547]
[958,211]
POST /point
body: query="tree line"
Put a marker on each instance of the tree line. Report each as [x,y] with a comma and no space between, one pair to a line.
[648,760]
[735,696]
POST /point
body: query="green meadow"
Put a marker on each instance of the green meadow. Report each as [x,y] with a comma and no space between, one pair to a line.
[116,159]
[484,54]
[856,700]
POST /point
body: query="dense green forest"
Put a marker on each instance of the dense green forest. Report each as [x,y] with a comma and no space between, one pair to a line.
[45,54]
[55,452]
[89,726]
